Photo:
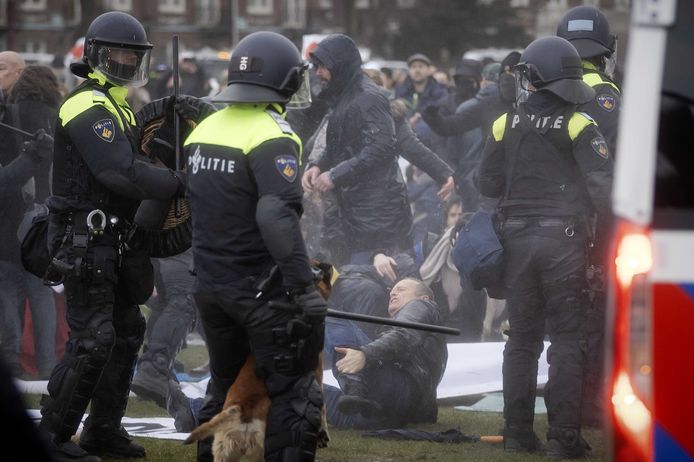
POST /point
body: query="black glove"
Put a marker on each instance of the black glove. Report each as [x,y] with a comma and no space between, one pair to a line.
[40,147]
[430,114]
[188,108]
[191,108]
[312,305]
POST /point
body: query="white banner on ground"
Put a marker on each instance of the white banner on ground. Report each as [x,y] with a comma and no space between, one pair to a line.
[145,427]
[472,369]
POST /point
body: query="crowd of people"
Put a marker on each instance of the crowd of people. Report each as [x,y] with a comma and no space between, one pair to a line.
[375,177]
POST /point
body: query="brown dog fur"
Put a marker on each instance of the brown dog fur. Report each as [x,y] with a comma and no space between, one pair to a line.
[239,430]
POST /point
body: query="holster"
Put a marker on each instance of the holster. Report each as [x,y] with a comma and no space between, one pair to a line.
[85,252]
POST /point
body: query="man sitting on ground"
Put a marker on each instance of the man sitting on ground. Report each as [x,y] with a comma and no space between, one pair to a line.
[390,381]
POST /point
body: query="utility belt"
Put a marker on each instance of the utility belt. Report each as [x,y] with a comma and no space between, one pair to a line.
[84,230]
[570,224]
[595,274]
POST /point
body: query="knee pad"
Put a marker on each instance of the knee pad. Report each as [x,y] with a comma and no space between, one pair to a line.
[295,418]
[309,401]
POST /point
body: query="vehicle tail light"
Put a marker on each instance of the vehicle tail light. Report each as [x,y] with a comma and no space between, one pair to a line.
[630,384]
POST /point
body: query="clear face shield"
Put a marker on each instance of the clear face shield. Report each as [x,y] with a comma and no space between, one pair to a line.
[521,74]
[301,99]
[610,62]
[128,67]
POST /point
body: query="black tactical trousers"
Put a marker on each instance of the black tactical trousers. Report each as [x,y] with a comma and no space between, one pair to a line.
[545,277]
[106,332]
[235,328]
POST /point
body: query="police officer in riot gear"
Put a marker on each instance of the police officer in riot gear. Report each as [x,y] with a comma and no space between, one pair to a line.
[588,30]
[245,196]
[99,179]
[551,168]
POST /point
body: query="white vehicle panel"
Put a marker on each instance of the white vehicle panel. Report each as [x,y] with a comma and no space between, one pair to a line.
[673,256]
[632,196]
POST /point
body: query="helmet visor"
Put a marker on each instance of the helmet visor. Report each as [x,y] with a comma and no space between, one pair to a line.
[522,75]
[128,67]
[301,99]
[610,61]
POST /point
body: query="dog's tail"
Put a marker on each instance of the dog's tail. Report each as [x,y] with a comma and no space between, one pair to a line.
[208,429]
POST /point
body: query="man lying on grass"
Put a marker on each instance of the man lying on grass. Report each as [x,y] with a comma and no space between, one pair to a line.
[391,381]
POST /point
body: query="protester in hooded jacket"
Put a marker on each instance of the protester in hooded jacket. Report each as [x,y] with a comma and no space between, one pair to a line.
[327,229]
[360,162]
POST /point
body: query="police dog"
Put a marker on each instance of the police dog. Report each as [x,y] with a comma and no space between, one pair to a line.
[239,429]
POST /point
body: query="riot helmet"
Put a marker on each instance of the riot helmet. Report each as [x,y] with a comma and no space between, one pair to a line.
[587,28]
[116,46]
[266,67]
[552,64]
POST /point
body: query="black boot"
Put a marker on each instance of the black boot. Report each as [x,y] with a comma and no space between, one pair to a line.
[354,400]
[566,443]
[109,441]
[67,451]
[521,440]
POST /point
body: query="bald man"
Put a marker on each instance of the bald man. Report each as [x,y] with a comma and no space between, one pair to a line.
[11,65]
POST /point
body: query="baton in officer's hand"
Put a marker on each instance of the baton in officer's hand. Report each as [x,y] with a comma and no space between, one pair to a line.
[293,308]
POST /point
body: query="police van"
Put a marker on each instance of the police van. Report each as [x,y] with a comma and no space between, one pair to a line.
[651,309]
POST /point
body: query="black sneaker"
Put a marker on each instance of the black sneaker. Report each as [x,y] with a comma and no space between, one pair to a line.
[351,404]
[106,442]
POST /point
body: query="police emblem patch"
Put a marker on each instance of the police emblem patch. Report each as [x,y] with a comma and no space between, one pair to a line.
[287,166]
[600,146]
[105,130]
[606,102]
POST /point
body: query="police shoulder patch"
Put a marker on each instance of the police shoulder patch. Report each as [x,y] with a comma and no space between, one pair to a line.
[105,129]
[600,146]
[287,166]
[606,102]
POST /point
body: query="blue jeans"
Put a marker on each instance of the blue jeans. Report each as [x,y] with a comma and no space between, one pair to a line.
[388,385]
[43,317]
[340,333]
[16,285]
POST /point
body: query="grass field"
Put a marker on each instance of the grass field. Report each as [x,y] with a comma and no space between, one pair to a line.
[350,446]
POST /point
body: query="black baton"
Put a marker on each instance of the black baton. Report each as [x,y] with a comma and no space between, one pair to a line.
[18,130]
[372,319]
